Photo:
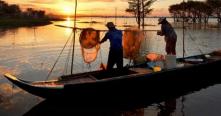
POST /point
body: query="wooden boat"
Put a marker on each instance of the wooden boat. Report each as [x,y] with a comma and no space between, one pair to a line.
[129,82]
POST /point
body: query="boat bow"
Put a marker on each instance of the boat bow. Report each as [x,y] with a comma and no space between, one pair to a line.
[42,89]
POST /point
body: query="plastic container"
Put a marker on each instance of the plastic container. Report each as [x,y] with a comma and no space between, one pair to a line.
[160,64]
[156,69]
[170,61]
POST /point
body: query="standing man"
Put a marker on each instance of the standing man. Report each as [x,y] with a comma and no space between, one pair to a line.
[170,36]
[116,50]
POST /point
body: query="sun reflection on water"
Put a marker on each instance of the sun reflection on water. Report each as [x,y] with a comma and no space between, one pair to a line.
[69,23]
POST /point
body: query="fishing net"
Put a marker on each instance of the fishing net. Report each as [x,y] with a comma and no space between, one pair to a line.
[89,41]
[154,57]
[132,38]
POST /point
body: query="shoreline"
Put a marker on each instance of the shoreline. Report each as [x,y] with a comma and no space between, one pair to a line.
[28,22]
[32,22]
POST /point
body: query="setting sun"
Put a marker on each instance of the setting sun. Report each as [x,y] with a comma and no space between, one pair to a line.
[68,10]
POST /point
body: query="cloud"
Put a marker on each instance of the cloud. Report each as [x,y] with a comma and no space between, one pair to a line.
[91,0]
[100,6]
[70,1]
[94,0]
[44,2]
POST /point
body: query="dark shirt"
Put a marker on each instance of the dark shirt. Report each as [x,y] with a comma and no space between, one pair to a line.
[167,30]
[115,38]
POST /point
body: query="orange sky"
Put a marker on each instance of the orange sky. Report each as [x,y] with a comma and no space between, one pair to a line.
[93,7]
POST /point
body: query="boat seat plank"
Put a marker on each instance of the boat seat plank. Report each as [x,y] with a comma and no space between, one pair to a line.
[214,58]
[142,70]
[82,79]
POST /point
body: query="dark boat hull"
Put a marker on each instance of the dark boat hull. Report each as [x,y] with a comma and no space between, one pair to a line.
[148,86]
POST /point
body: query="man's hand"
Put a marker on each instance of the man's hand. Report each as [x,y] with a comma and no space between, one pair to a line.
[159,32]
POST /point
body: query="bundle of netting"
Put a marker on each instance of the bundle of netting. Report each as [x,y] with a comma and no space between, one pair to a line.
[154,57]
[132,38]
[89,41]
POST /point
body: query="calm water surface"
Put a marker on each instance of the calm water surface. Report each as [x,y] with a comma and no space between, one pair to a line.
[29,53]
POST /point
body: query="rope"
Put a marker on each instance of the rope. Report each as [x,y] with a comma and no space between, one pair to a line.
[68,58]
[77,28]
[75,17]
[58,58]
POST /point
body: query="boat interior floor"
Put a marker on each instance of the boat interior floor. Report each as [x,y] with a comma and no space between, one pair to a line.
[199,59]
[104,75]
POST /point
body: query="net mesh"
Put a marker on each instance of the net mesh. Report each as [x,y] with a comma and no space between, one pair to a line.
[89,41]
[132,38]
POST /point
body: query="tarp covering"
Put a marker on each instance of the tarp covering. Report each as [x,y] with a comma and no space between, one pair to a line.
[132,38]
[89,41]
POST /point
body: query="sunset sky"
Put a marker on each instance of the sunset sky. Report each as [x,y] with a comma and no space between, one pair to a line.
[90,7]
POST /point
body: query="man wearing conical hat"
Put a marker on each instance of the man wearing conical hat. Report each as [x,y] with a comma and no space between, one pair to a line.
[170,36]
[116,50]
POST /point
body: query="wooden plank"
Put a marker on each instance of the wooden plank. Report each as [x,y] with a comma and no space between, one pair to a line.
[76,28]
[80,79]
[142,70]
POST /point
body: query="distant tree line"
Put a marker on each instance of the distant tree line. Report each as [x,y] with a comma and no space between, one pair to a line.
[196,11]
[7,10]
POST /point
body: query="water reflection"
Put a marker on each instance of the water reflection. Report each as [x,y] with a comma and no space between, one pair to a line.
[29,53]
[7,92]
[14,101]
[68,23]
[168,108]
[171,105]
[52,108]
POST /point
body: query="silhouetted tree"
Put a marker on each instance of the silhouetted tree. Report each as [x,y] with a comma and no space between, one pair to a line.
[9,10]
[41,14]
[174,11]
[197,11]
[14,9]
[216,5]
[30,12]
[140,8]
[3,5]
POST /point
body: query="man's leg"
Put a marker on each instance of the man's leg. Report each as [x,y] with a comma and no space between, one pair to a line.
[111,60]
[119,59]
[168,48]
[173,46]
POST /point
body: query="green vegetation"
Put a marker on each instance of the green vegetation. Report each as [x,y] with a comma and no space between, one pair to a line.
[13,16]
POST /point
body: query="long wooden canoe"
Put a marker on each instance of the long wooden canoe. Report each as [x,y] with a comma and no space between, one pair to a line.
[128,83]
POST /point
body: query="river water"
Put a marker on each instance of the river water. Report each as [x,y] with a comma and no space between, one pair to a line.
[29,53]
